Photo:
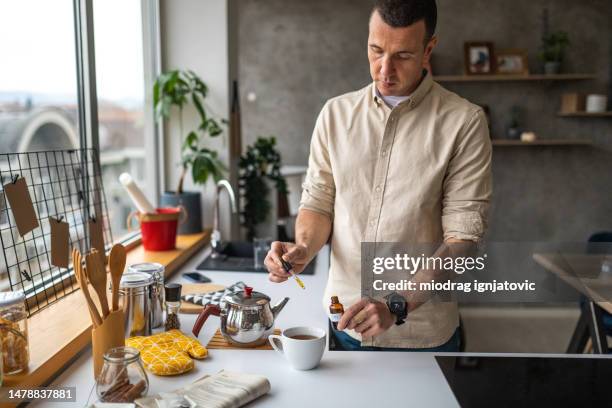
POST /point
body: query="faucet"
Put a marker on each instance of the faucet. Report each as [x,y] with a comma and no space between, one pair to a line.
[215,239]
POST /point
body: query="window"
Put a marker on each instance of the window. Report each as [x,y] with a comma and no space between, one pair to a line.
[120,87]
[44,51]
[38,97]
[38,102]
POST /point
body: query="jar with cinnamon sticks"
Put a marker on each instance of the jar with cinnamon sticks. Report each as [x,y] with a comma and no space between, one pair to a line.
[123,378]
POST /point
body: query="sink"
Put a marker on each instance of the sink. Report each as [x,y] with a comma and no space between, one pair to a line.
[237,256]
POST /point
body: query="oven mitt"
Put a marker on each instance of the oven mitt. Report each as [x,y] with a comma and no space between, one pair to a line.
[167,353]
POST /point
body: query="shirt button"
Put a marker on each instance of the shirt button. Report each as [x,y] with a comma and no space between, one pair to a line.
[378,189]
[373,222]
[383,153]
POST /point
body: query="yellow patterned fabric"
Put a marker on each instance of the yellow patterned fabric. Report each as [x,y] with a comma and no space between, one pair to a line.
[167,353]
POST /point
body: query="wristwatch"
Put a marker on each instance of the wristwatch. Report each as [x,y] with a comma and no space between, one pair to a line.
[397,306]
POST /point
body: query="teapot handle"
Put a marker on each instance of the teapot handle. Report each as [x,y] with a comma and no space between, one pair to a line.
[207,311]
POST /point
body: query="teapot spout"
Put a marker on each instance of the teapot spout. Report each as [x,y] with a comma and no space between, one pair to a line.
[279,306]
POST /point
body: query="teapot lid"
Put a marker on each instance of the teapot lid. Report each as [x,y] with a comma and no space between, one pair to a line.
[247,297]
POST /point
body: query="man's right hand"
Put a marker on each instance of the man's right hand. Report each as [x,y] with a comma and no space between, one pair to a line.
[296,255]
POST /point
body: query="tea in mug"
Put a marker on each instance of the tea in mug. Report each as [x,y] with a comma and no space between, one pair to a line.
[303,337]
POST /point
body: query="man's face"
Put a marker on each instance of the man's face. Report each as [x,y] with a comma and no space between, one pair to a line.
[397,55]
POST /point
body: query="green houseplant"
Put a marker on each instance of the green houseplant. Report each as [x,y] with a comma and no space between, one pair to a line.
[258,166]
[552,51]
[179,89]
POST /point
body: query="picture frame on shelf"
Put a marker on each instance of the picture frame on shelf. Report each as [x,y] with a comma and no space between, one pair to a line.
[511,61]
[479,58]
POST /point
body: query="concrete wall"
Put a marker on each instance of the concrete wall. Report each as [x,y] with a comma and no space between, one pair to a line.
[294,55]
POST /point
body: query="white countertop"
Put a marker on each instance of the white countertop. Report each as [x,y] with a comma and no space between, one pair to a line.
[355,379]
[344,378]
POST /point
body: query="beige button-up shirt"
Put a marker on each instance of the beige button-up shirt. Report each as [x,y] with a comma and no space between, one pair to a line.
[417,173]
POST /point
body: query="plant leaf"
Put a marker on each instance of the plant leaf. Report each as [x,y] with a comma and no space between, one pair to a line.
[191,141]
[198,105]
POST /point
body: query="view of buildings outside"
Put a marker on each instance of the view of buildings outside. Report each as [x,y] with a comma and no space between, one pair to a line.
[38,90]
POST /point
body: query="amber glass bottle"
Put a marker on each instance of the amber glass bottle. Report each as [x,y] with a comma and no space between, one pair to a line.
[335,311]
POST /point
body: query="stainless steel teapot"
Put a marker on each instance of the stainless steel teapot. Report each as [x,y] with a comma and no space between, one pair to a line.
[247,319]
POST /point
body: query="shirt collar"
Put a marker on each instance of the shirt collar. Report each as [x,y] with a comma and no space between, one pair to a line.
[414,98]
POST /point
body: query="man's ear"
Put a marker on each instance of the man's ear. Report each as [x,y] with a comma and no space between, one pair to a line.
[428,50]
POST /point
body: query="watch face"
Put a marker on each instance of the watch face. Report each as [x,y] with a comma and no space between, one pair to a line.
[396,305]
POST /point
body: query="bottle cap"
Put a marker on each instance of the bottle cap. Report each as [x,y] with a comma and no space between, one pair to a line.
[334,299]
[173,292]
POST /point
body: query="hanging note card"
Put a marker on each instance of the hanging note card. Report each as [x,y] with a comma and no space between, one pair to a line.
[21,205]
[96,237]
[60,242]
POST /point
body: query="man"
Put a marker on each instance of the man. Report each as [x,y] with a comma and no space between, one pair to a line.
[401,160]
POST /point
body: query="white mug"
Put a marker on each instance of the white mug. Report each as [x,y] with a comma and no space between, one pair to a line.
[302,354]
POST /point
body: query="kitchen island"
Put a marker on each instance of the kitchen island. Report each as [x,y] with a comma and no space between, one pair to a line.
[355,379]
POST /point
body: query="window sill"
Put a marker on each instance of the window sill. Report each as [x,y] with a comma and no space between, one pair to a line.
[59,332]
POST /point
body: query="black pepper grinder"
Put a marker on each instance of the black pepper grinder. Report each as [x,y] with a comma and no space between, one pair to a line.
[173,305]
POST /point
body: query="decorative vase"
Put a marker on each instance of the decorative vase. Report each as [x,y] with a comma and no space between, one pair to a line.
[552,67]
[192,201]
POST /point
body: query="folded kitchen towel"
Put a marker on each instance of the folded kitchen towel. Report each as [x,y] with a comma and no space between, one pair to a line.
[225,389]
[213,298]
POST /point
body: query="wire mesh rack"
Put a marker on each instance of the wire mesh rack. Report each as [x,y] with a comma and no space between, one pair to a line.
[65,185]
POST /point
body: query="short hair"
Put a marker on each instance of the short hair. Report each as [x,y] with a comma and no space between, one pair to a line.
[402,13]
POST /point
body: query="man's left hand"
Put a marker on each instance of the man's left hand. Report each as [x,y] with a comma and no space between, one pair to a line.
[368,317]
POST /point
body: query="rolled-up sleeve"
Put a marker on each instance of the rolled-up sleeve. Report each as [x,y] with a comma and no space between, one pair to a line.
[318,189]
[467,183]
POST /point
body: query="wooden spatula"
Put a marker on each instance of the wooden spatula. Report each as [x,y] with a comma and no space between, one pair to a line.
[116,264]
[97,277]
[81,279]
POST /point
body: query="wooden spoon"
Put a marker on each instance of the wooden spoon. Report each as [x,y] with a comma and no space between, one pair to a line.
[116,264]
[81,279]
[97,277]
[76,265]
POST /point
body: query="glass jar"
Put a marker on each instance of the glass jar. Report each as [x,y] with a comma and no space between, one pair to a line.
[173,306]
[14,332]
[1,370]
[123,378]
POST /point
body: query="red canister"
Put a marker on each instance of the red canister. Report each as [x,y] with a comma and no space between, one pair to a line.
[159,229]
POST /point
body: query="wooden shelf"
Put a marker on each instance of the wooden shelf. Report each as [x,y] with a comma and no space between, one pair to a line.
[508,78]
[541,142]
[585,114]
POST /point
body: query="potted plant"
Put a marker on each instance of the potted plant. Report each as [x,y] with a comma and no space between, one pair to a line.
[552,51]
[178,89]
[259,166]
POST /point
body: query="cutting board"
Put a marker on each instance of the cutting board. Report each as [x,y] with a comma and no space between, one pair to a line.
[189,288]
[219,342]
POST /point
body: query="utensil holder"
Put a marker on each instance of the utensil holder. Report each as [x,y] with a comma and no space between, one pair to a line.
[106,336]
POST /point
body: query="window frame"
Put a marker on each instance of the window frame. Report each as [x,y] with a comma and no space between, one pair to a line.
[87,114]
[87,88]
